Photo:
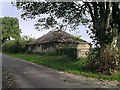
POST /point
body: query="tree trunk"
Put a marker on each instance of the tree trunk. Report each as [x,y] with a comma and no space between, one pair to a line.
[101,56]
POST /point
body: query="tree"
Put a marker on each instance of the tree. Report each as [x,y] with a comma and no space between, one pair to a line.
[18,45]
[74,14]
[116,19]
[101,17]
[9,28]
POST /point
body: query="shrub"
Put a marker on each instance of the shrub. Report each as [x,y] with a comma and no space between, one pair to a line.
[92,62]
[69,52]
[108,64]
[15,46]
[8,46]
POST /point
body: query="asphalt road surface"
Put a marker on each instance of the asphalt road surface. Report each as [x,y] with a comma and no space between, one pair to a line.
[29,75]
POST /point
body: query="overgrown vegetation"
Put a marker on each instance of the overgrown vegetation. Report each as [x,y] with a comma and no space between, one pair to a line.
[69,52]
[65,60]
[102,18]
[107,66]
[65,64]
[103,24]
[17,45]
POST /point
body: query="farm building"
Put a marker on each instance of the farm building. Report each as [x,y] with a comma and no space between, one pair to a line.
[59,39]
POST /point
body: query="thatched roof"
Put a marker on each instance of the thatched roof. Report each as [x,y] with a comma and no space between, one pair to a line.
[58,36]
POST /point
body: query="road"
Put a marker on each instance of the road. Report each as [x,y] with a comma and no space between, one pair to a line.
[29,75]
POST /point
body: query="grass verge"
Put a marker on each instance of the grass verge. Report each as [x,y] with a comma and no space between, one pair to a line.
[64,64]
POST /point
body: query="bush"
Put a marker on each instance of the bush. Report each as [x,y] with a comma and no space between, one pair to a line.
[109,62]
[92,62]
[69,52]
[15,46]
[8,46]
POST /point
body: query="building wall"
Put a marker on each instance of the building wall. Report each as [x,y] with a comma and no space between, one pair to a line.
[43,48]
[82,50]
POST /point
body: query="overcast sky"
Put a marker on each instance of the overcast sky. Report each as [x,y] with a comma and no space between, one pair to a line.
[27,27]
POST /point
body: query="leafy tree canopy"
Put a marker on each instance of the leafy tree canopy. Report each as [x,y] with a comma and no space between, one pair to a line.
[100,17]
[9,28]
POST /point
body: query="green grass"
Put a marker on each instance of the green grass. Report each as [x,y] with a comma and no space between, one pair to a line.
[64,64]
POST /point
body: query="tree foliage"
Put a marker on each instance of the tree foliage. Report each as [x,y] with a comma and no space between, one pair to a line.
[97,15]
[9,28]
[17,45]
[101,17]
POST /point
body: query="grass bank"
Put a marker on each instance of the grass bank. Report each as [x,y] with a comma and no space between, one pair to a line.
[64,64]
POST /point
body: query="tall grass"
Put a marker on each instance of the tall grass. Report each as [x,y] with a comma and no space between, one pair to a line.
[65,64]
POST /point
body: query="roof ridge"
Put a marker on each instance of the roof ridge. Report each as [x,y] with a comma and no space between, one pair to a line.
[59,36]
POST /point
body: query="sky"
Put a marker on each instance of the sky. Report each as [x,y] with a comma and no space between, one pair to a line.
[27,27]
